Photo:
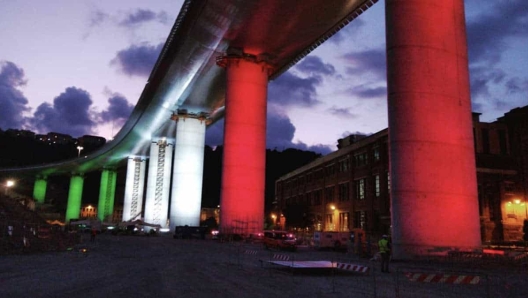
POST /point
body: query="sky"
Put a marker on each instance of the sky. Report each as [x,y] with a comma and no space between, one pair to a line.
[79,67]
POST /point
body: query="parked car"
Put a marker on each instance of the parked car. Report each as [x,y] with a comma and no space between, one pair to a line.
[279,240]
[255,238]
[189,232]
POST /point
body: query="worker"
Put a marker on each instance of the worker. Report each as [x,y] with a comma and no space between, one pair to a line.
[384,249]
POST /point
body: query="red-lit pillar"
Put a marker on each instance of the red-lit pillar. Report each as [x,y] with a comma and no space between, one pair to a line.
[432,161]
[243,171]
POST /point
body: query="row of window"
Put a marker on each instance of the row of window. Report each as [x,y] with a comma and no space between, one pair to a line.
[360,159]
[343,192]
[360,221]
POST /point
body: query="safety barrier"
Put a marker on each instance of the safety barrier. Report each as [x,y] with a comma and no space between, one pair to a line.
[280,257]
[352,267]
[443,278]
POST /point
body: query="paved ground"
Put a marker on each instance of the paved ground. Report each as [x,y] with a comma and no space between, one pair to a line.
[141,266]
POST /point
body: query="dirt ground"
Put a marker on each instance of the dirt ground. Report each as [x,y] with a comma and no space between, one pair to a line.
[142,266]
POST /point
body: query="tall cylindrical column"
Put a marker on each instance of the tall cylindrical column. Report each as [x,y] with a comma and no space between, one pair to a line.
[73,208]
[158,184]
[134,187]
[39,189]
[105,208]
[432,160]
[187,176]
[242,194]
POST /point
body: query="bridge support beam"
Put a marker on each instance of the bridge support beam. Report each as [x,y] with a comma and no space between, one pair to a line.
[73,208]
[243,171]
[187,176]
[134,187]
[158,184]
[39,189]
[433,182]
[105,208]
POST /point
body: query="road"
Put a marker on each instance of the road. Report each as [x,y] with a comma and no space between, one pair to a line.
[159,266]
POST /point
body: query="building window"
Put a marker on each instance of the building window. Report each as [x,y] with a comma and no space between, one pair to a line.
[329,222]
[344,164]
[343,221]
[360,189]
[329,194]
[485,141]
[502,142]
[330,170]
[377,185]
[376,153]
[343,192]
[360,220]
[361,159]
[388,181]
[317,197]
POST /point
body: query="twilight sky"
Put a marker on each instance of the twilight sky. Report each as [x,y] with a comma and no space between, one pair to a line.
[79,67]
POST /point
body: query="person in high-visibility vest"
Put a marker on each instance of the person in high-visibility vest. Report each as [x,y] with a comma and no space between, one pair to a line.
[384,249]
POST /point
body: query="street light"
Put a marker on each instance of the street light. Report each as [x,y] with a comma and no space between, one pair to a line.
[274,219]
[9,184]
[79,148]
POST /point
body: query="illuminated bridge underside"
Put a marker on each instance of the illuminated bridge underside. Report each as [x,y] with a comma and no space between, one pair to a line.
[186,75]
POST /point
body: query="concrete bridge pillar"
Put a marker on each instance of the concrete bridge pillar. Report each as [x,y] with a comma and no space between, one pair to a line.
[158,184]
[105,208]
[39,189]
[432,160]
[73,208]
[243,171]
[186,199]
[134,187]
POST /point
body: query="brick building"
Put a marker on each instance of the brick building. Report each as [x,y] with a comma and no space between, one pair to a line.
[350,188]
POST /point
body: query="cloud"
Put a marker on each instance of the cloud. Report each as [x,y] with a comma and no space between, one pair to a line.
[118,111]
[341,112]
[69,114]
[279,135]
[370,61]
[12,102]
[291,90]
[348,32]
[488,32]
[363,91]
[516,85]
[314,65]
[137,60]
[97,17]
[482,78]
[143,16]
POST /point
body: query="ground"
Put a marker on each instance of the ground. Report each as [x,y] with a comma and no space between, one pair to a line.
[160,266]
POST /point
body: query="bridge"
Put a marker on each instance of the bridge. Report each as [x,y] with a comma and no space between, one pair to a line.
[216,63]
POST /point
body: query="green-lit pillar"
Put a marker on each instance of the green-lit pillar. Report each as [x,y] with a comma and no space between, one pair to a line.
[105,208]
[39,190]
[73,208]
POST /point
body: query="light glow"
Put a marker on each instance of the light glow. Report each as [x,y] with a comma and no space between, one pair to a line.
[433,191]
[73,208]
[156,211]
[187,173]
[242,193]
[135,172]
[39,190]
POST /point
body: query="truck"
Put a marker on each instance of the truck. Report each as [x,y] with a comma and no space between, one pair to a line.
[331,239]
[338,240]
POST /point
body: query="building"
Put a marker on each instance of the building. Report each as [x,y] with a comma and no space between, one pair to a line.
[88,211]
[350,188]
[91,141]
[55,138]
